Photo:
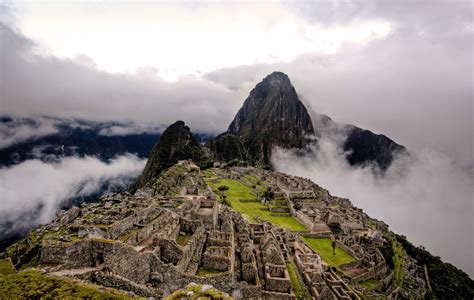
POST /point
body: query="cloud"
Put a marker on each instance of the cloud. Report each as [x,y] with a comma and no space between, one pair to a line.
[16,130]
[426,197]
[43,85]
[179,38]
[38,189]
[130,128]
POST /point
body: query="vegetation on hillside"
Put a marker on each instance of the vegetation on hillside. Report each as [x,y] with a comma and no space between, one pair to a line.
[447,281]
[31,284]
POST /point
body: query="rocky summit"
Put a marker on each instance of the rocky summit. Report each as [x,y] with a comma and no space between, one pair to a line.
[274,116]
[271,116]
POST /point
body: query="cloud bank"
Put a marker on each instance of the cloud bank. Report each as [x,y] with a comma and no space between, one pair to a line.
[13,131]
[38,189]
[426,197]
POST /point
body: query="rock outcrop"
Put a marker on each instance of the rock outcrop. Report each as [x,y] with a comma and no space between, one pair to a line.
[366,147]
[176,143]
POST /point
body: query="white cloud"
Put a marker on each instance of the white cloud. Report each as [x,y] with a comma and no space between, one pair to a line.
[35,185]
[19,130]
[130,128]
[427,197]
[180,38]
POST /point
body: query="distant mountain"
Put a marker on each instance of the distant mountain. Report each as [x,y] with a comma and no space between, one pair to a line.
[76,138]
[273,115]
[366,147]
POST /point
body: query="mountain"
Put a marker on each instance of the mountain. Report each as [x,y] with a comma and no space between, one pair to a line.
[222,233]
[366,147]
[272,115]
[175,143]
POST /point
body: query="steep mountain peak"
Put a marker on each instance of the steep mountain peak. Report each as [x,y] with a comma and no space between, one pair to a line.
[175,143]
[272,115]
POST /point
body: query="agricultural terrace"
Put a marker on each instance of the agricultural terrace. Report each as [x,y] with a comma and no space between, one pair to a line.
[252,211]
[323,246]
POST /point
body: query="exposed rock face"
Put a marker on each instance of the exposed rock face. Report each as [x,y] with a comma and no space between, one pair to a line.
[227,147]
[366,147]
[176,143]
[272,115]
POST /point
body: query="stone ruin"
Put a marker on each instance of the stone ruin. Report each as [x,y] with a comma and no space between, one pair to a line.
[152,244]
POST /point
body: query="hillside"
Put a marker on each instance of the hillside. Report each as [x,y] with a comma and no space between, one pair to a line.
[235,231]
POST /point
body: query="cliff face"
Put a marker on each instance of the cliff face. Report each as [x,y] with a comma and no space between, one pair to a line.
[272,115]
[366,147]
[227,147]
[176,143]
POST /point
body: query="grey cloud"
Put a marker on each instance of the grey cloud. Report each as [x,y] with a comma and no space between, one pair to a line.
[130,128]
[19,130]
[40,84]
[38,189]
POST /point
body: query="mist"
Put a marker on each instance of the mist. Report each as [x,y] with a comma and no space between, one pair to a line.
[33,190]
[424,196]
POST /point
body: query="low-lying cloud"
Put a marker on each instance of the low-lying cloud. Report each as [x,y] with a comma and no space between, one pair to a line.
[426,197]
[18,130]
[38,189]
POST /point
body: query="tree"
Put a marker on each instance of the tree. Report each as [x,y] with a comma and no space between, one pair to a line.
[333,244]
[223,188]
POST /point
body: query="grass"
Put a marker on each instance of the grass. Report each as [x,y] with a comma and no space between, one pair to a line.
[296,283]
[182,240]
[194,291]
[6,267]
[370,283]
[205,272]
[324,247]
[124,237]
[398,261]
[251,210]
[31,284]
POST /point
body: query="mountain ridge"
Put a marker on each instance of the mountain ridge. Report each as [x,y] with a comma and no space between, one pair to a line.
[274,116]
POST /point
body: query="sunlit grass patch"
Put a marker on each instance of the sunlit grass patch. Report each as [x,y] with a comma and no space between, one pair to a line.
[323,246]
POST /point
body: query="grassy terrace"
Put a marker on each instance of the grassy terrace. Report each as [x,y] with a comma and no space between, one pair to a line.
[251,210]
[6,267]
[205,272]
[296,283]
[398,261]
[370,284]
[31,284]
[324,247]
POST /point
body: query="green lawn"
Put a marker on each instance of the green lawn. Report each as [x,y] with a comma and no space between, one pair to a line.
[296,284]
[182,240]
[237,190]
[324,247]
[398,261]
[31,284]
[370,284]
[205,272]
[6,267]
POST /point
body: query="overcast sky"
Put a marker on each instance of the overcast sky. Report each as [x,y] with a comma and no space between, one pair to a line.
[402,68]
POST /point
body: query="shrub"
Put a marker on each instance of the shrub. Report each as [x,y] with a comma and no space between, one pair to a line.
[223,188]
